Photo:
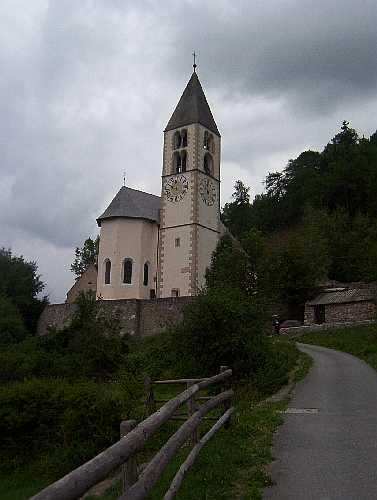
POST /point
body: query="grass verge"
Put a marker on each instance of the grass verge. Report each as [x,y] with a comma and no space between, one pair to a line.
[360,341]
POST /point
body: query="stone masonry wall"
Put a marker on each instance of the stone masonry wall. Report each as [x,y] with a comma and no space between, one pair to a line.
[137,317]
[343,313]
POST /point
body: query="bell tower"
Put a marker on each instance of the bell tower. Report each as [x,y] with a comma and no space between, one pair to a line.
[190,199]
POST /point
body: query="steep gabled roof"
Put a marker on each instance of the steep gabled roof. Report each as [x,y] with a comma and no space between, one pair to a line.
[193,108]
[134,204]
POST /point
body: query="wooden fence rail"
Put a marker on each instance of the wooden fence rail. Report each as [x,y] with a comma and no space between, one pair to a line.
[122,453]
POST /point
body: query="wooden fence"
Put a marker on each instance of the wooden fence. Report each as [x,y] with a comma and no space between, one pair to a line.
[134,437]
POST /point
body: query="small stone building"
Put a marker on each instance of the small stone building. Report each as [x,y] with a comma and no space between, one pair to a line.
[341,305]
[87,281]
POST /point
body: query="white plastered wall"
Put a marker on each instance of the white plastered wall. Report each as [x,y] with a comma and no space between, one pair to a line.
[122,238]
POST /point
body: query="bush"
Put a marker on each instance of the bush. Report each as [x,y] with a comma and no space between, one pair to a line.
[72,421]
[218,329]
[12,328]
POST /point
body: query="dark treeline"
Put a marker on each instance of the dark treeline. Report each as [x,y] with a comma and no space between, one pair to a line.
[316,220]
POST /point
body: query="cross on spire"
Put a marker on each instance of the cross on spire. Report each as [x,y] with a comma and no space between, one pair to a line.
[124,178]
[194,65]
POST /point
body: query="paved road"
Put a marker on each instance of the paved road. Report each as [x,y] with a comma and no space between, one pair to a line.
[330,454]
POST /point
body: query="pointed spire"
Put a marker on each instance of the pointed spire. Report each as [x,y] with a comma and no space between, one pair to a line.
[193,108]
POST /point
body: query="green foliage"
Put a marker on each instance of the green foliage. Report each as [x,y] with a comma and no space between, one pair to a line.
[85,256]
[236,214]
[21,284]
[75,420]
[361,341]
[230,268]
[318,217]
[92,346]
[12,328]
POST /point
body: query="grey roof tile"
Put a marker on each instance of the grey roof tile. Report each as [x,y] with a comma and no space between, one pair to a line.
[133,204]
[193,108]
[342,297]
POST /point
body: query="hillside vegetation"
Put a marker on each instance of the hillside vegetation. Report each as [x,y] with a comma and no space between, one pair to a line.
[316,220]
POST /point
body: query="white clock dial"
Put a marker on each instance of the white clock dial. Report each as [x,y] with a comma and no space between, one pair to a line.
[207,190]
[176,187]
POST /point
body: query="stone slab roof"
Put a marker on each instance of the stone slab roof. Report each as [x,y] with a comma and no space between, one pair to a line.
[342,297]
[134,204]
[193,108]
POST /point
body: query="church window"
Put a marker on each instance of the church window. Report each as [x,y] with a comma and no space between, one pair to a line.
[107,272]
[177,140]
[146,274]
[208,164]
[127,271]
[177,242]
[184,138]
[177,163]
[208,143]
[183,161]
[175,292]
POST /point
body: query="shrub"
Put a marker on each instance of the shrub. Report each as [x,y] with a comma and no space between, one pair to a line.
[218,329]
[12,328]
[74,420]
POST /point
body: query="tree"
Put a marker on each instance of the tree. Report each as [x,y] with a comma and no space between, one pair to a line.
[21,284]
[12,328]
[85,256]
[236,214]
[230,268]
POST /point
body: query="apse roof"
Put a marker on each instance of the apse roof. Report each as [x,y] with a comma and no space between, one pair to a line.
[193,108]
[134,204]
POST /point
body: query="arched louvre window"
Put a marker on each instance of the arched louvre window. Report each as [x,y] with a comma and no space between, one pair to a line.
[146,274]
[127,271]
[177,141]
[177,163]
[184,138]
[107,272]
[208,164]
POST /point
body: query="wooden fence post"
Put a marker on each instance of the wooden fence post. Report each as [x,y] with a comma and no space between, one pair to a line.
[225,386]
[150,404]
[191,408]
[129,469]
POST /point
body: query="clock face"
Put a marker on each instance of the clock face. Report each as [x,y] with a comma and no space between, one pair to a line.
[207,190]
[176,187]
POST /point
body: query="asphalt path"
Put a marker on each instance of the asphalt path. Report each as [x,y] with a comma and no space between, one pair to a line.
[327,447]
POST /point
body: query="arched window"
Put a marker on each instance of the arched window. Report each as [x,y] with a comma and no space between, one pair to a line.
[146,274]
[107,272]
[208,164]
[177,163]
[184,138]
[177,140]
[127,271]
[208,143]
[183,161]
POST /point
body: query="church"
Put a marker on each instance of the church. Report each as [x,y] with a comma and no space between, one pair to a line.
[158,247]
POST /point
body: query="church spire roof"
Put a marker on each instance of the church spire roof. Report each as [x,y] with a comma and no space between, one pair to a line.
[193,108]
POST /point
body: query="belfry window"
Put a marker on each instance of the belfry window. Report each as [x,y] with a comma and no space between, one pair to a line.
[184,138]
[107,272]
[177,140]
[146,274]
[179,162]
[208,143]
[180,139]
[127,271]
[208,164]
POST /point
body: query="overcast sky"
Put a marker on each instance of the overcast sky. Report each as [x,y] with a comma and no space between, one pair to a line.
[86,89]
